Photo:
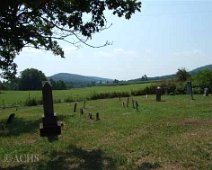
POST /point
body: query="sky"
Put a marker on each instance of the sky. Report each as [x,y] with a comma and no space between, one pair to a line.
[163,37]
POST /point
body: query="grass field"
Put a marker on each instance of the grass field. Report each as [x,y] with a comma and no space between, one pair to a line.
[9,98]
[172,134]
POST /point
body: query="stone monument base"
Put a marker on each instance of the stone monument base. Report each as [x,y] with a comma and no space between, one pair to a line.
[50,127]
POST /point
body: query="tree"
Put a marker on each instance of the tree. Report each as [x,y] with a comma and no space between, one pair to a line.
[42,23]
[31,79]
[204,79]
[182,75]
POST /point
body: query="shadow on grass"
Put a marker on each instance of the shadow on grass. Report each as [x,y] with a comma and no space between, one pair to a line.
[74,159]
[19,126]
[149,166]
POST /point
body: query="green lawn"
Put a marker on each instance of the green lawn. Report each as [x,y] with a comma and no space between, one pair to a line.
[172,134]
[8,98]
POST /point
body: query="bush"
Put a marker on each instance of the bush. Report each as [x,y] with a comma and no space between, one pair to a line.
[32,102]
[68,99]
[197,90]
[109,95]
[180,88]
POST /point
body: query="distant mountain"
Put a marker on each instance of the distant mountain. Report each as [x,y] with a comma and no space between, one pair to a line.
[80,80]
[171,76]
[195,71]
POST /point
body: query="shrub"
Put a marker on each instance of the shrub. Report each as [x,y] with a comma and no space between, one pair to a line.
[108,95]
[32,102]
[68,99]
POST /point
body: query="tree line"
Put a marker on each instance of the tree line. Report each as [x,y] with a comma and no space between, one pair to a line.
[31,79]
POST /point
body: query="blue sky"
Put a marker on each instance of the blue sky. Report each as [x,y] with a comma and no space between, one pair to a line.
[165,36]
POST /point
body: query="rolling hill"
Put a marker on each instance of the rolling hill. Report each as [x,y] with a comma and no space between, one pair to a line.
[171,76]
[79,80]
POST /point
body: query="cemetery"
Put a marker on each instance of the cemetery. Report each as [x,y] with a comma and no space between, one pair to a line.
[138,96]
[137,132]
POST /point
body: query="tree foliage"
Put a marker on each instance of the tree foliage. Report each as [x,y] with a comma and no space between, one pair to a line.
[42,23]
[204,79]
[182,75]
[31,79]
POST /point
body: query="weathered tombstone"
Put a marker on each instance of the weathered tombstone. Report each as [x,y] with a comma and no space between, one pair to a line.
[97,116]
[206,91]
[123,104]
[10,118]
[158,94]
[75,107]
[136,105]
[189,89]
[81,111]
[90,116]
[49,126]
[128,99]
[133,103]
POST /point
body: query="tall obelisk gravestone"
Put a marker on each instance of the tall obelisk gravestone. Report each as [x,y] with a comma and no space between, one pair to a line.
[49,126]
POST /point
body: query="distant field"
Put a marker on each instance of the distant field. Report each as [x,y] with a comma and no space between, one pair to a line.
[174,134]
[8,98]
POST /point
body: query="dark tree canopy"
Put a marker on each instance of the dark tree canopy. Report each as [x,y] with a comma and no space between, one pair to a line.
[31,79]
[182,75]
[42,23]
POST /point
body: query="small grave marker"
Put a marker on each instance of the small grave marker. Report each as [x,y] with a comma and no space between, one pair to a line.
[128,99]
[158,94]
[90,116]
[81,111]
[75,107]
[123,104]
[97,116]
[189,89]
[136,105]
[206,91]
[10,118]
[133,103]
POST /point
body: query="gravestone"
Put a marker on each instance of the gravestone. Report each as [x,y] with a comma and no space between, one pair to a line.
[90,116]
[133,103]
[75,107]
[81,111]
[49,126]
[206,91]
[97,116]
[123,104]
[136,105]
[189,89]
[158,94]
[10,118]
[128,99]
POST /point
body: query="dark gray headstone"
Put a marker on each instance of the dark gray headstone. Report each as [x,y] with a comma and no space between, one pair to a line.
[189,89]
[158,94]
[206,91]
[90,116]
[81,111]
[97,116]
[123,104]
[49,126]
[136,105]
[10,118]
[75,107]
[133,103]
[128,100]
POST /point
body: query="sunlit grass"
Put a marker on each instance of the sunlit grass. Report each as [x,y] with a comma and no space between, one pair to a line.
[172,134]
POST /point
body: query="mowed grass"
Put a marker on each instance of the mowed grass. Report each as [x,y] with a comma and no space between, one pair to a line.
[11,98]
[172,134]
